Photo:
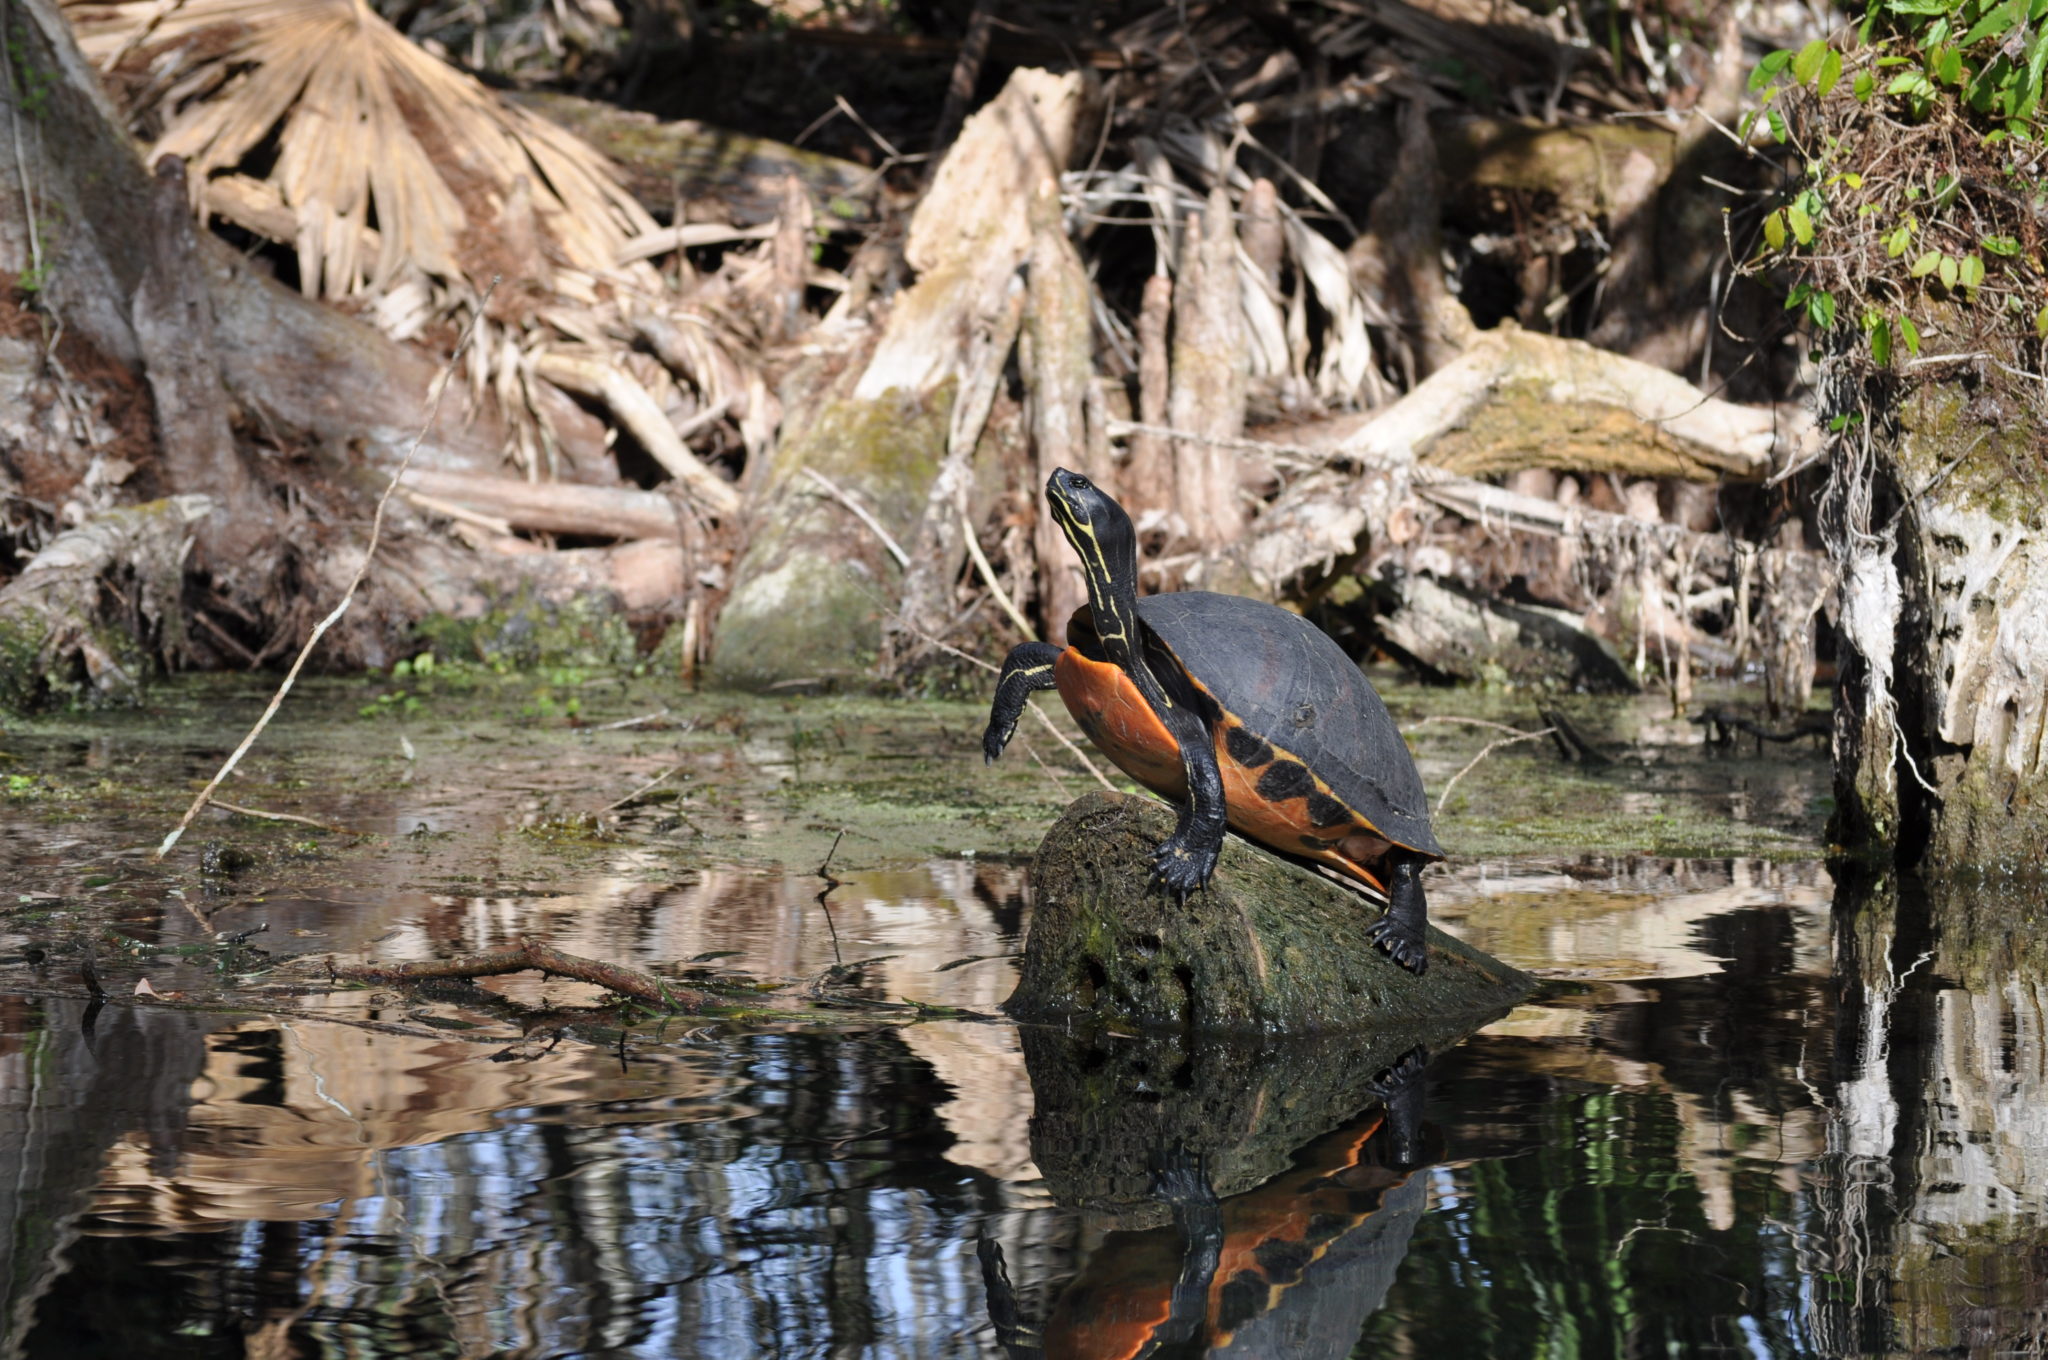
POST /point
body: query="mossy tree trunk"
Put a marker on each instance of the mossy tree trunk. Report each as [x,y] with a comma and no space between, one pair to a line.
[1938,525]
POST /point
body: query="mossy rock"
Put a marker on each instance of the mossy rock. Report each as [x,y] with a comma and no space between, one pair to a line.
[1269,948]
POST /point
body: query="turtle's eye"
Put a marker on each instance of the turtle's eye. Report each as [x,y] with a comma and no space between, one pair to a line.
[1079,482]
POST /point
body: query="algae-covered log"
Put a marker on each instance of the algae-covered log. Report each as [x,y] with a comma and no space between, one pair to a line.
[1268,948]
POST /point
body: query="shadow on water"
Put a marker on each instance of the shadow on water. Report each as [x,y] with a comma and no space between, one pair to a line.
[1750,1112]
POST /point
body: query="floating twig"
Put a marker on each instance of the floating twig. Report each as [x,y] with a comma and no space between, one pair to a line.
[529,955]
[268,816]
[1489,749]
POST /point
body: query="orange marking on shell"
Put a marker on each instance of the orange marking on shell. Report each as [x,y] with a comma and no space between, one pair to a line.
[1282,825]
[1120,723]
[1123,727]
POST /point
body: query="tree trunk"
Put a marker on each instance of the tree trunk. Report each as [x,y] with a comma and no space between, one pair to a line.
[1210,370]
[1939,715]
[814,590]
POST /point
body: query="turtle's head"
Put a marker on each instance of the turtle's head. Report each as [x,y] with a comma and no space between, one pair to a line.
[1103,538]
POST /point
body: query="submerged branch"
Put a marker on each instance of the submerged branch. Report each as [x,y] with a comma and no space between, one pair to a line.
[529,955]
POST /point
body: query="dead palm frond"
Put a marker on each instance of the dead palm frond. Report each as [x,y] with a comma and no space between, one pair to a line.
[385,163]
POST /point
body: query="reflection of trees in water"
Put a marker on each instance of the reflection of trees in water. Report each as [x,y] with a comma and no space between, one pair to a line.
[1636,1192]
[827,1219]
[1932,1196]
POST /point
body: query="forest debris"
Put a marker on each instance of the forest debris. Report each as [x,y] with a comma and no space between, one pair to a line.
[629,402]
[530,955]
[1455,634]
[716,174]
[553,507]
[808,601]
[967,237]
[366,124]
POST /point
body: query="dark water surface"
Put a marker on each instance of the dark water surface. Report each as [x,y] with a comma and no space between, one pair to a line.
[1749,1113]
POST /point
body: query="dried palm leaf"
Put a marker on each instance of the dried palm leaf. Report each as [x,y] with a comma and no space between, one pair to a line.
[369,132]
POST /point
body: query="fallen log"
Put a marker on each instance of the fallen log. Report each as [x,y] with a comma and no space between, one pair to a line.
[1455,634]
[553,507]
[1269,948]
[715,173]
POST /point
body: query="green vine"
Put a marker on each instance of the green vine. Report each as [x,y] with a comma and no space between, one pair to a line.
[1920,148]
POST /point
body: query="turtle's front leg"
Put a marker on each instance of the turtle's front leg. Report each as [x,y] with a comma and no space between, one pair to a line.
[1027,669]
[1185,860]
[1402,932]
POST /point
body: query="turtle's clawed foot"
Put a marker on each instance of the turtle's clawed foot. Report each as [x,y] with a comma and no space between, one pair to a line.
[1402,941]
[1181,867]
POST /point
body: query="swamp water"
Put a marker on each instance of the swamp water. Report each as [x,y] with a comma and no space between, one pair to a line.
[1746,1115]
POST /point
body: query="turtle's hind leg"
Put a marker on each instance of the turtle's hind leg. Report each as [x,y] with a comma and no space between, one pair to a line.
[1403,930]
[1028,669]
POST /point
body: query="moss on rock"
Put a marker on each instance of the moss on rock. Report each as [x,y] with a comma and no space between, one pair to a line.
[1269,948]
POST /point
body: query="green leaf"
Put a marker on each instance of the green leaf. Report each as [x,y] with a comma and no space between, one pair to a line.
[1925,265]
[1945,190]
[2041,323]
[1830,73]
[1801,222]
[1948,66]
[2001,245]
[1909,333]
[1806,65]
[1774,230]
[1997,20]
[1895,244]
[1971,272]
[1850,178]
[1881,343]
[1863,86]
[1821,308]
[1777,122]
[1767,70]
[1948,269]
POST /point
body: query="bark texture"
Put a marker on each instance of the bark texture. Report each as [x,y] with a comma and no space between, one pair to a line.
[1940,755]
[814,591]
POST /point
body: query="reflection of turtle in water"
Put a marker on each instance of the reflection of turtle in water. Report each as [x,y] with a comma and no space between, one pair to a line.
[1292,1268]
[1239,711]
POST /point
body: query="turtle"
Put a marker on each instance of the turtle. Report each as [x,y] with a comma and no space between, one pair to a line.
[1241,713]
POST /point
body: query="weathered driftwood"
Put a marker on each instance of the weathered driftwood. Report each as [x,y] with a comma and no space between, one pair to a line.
[1269,948]
[812,590]
[1457,634]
